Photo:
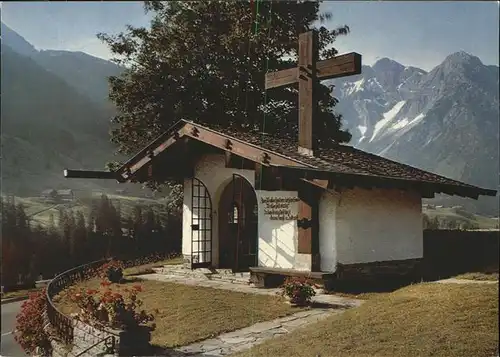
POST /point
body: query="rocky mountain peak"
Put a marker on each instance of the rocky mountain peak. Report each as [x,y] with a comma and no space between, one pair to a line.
[444,121]
[386,64]
[462,58]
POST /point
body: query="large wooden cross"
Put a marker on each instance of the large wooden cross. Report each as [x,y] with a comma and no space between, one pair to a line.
[309,71]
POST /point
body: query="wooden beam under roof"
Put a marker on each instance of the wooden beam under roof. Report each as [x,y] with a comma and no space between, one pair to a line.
[91,174]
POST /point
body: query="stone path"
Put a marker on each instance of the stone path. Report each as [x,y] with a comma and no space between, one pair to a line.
[248,337]
[232,342]
[465,281]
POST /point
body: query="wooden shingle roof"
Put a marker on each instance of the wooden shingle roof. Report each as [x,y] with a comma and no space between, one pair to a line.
[342,162]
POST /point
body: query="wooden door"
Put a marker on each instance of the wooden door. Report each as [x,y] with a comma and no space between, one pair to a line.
[238,226]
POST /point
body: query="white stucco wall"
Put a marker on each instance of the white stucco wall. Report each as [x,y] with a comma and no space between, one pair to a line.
[277,241]
[327,230]
[355,226]
[365,226]
[277,244]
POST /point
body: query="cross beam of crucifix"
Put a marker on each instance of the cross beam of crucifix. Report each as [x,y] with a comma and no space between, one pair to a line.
[308,71]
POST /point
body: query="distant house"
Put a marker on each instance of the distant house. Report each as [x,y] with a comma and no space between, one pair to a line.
[49,194]
[65,195]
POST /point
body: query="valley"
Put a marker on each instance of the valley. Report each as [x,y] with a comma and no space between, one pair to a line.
[56,115]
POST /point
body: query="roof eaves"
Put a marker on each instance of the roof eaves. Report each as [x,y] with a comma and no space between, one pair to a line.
[456,185]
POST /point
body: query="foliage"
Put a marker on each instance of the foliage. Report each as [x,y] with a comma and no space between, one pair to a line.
[111,309]
[298,290]
[30,333]
[30,250]
[449,223]
[204,61]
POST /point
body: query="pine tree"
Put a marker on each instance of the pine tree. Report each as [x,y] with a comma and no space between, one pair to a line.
[79,240]
[138,231]
[23,241]
[10,263]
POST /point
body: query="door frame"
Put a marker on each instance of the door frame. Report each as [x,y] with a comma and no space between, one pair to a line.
[203,220]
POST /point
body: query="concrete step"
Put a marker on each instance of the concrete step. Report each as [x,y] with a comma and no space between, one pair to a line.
[203,273]
[230,279]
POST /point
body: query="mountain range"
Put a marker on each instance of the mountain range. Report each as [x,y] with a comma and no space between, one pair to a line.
[445,121]
[56,114]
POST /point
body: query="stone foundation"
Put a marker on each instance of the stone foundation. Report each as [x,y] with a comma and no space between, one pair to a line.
[126,343]
[374,272]
[186,261]
[393,269]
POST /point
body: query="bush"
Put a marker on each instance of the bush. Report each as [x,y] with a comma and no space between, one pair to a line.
[111,309]
[113,271]
[30,333]
[298,290]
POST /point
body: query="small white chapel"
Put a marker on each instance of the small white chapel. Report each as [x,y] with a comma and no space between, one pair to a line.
[269,206]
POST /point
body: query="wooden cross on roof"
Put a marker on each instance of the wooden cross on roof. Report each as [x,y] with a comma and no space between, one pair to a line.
[309,71]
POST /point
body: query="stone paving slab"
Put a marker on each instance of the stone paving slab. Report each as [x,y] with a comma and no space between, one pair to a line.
[231,342]
[248,337]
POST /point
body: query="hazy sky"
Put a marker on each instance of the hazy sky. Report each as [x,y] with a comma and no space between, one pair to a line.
[419,33]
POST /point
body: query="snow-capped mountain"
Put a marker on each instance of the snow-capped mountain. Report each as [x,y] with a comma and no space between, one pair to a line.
[445,120]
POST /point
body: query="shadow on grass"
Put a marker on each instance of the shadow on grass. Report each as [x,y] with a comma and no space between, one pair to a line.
[388,285]
[130,280]
[324,305]
[361,287]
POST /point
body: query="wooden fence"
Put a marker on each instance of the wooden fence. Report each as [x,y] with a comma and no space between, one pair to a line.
[452,252]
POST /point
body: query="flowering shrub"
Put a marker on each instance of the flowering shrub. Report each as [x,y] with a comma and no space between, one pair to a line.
[113,271]
[30,333]
[111,309]
[298,290]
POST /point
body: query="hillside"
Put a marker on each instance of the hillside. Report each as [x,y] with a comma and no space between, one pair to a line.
[87,74]
[46,126]
[40,210]
[444,121]
[55,115]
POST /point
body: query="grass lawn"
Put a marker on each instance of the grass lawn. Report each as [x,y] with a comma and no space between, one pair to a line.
[444,320]
[148,268]
[478,276]
[188,314]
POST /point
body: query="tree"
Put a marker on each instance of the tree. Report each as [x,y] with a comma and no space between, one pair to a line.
[138,229]
[425,221]
[23,240]
[206,60]
[433,223]
[78,240]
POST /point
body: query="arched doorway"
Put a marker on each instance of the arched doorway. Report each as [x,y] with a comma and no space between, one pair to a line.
[238,225]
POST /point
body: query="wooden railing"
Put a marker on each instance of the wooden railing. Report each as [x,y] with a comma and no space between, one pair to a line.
[62,324]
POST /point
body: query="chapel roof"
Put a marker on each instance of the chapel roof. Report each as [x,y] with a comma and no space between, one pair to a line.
[341,160]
